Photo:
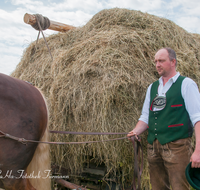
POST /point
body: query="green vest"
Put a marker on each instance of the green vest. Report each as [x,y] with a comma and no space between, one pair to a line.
[172,122]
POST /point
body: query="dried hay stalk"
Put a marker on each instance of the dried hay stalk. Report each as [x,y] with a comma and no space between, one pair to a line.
[98,79]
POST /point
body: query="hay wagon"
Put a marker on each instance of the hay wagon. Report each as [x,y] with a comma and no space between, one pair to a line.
[96,82]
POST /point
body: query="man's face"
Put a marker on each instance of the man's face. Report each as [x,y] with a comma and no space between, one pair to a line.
[164,66]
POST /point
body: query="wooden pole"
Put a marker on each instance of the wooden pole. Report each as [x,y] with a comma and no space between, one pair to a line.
[57,26]
[69,185]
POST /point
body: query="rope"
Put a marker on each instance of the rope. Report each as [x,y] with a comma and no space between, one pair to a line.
[24,141]
[42,23]
[87,133]
[138,151]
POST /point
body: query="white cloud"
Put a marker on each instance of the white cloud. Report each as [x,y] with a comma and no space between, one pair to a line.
[27,3]
[145,5]
[184,8]
[74,5]
[16,35]
[189,23]
[8,63]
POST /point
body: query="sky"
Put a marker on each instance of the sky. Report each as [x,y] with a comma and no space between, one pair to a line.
[16,36]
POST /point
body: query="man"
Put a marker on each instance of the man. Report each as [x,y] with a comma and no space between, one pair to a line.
[171,109]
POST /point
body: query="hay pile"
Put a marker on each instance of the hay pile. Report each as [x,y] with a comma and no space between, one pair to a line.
[98,80]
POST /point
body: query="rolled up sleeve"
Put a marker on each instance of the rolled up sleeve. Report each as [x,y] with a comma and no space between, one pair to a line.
[191,96]
[145,110]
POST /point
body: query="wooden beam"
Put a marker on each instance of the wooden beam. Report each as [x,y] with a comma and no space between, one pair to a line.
[68,184]
[57,26]
[94,171]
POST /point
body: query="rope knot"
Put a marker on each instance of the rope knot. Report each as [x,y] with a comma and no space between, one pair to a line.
[43,21]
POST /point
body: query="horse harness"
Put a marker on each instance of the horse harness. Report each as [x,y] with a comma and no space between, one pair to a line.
[138,151]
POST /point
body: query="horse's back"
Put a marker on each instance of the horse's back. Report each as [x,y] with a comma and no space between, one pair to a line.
[22,108]
[23,114]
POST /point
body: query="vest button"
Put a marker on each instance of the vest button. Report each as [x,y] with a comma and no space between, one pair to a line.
[155,134]
[155,117]
[155,123]
[155,129]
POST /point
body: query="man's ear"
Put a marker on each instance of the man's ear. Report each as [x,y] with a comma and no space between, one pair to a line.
[174,62]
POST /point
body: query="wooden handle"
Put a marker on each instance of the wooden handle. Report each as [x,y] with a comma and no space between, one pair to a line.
[68,184]
[57,26]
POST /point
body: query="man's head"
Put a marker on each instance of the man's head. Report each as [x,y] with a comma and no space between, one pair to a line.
[165,60]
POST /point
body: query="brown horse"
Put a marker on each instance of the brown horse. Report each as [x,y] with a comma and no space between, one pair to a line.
[23,114]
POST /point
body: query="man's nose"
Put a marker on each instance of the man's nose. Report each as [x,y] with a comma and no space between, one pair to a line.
[157,64]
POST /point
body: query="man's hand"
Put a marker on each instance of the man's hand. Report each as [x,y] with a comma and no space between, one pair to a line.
[195,159]
[132,133]
[139,128]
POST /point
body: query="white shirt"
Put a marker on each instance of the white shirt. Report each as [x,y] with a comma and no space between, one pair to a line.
[190,94]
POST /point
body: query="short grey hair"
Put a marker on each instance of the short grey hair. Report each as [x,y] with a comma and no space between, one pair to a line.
[172,54]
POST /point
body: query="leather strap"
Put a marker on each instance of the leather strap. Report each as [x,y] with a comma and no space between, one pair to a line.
[5,135]
[138,151]
[138,159]
[24,141]
[87,133]
[59,143]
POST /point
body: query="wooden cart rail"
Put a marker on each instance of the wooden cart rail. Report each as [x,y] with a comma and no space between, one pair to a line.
[57,26]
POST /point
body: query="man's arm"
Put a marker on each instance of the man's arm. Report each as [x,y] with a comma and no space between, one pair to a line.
[195,158]
[191,96]
[142,125]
